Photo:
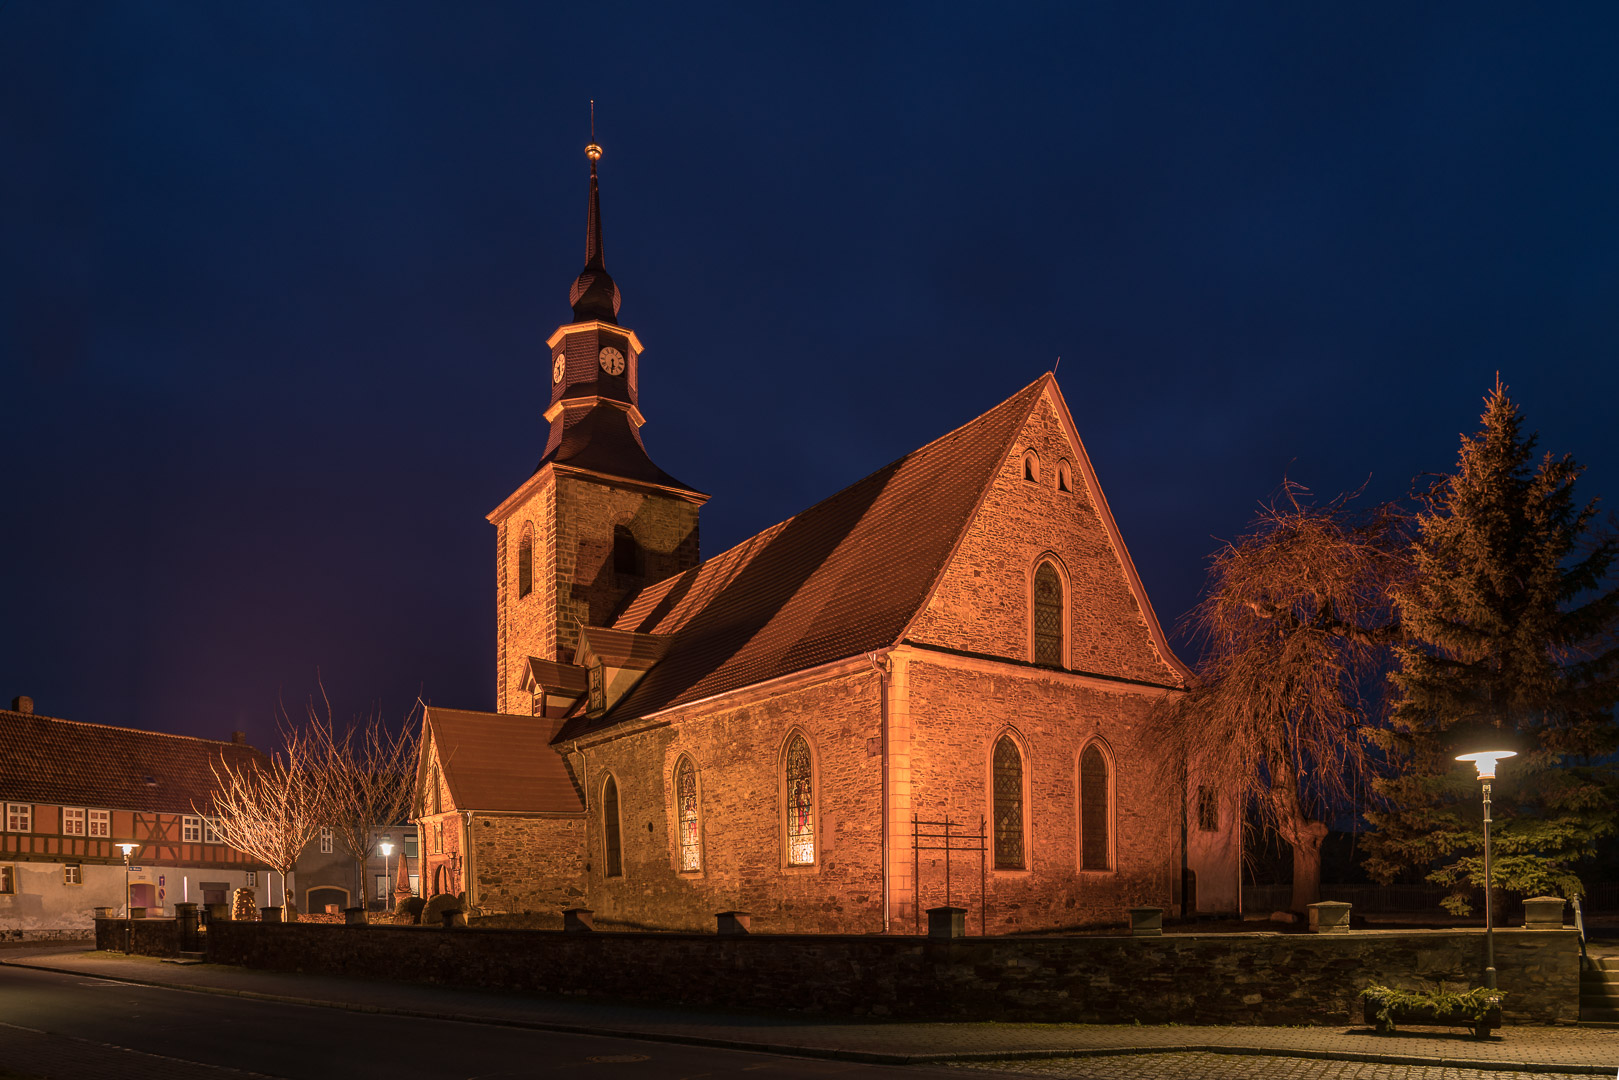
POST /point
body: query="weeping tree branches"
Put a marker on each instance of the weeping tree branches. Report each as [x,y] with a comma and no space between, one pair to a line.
[269,811]
[366,778]
[1295,625]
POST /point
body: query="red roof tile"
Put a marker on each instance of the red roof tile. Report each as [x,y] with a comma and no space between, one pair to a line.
[497,761]
[47,760]
[842,578]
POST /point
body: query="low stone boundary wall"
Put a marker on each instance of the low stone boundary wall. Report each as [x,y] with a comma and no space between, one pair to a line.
[1190,978]
[148,937]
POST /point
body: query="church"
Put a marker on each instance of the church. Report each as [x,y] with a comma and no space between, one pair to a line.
[927,689]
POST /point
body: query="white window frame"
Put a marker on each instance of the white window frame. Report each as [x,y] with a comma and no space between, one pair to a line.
[19,817]
[73,816]
[325,841]
[190,829]
[72,874]
[210,831]
[415,885]
[103,818]
[252,879]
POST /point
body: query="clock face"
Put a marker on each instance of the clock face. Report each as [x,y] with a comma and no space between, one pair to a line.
[612,361]
[556,368]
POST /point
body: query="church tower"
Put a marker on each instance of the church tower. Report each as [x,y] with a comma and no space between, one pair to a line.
[597,520]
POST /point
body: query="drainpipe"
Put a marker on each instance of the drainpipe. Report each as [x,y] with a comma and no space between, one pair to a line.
[879,664]
[466,857]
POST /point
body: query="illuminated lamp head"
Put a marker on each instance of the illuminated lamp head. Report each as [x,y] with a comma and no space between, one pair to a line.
[1485,761]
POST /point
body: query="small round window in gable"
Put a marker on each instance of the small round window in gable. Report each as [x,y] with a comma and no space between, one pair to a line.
[1065,476]
[1031,466]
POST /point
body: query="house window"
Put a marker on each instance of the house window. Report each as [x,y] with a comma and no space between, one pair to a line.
[1031,466]
[1048,618]
[72,875]
[72,821]
[325,841]
[210,831]
[610,837]
[410,846]
[1208,809]
[525,561]
[800,784]
[100,822]
[8,879]
[19,817]
[382,887]
[598,687]
[1095,799]
[191,830]
[415,885]
[252,878]
[1008,770]
[691,844]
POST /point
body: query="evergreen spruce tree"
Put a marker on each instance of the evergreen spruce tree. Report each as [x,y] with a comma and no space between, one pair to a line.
[1510,625]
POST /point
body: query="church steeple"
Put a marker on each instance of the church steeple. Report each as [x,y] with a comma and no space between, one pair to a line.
[594,294]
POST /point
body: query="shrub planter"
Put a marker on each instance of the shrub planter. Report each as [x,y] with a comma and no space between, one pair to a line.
[1386,1008]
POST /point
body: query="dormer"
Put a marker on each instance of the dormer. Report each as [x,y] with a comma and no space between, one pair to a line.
[614,661]
[554,688]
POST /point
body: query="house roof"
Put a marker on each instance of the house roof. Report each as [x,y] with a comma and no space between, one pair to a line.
[844,577]
[555,677]
[70,763]
[498,761]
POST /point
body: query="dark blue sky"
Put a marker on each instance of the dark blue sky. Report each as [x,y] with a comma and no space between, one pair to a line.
[275,282]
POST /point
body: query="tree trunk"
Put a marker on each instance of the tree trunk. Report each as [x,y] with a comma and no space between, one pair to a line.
[1306,843]
[359,871]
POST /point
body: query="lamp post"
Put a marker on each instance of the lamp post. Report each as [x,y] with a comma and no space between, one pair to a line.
[1485,761]
[129,925]
[387,847]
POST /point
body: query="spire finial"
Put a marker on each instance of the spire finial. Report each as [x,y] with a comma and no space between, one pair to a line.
[593,152]
[594,294]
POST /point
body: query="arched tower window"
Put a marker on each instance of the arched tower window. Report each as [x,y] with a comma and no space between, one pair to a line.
[691,839]
[610,835]
[1008,773]
[800,803]
[1095,810]
[626,552]
[1048,617]
[525,561]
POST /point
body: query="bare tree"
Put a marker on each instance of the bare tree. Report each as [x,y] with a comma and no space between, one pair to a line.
[269,811]
[366,778]
[1296,624]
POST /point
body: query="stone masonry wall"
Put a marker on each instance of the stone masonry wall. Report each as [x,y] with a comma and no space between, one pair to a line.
[958,713]
[982,603]
[528,864]
[737,754]
[1191,979]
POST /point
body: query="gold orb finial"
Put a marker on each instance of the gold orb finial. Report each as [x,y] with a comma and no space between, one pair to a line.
[593,152]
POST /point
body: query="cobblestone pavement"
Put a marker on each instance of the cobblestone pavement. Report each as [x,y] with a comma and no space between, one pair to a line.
[1206,1066]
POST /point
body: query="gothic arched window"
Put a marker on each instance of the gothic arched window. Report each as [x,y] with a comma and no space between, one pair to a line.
[1048,618]
[1095,805]
[1008,777]
[610,835]
[800,803]
[691,838]
[525,561]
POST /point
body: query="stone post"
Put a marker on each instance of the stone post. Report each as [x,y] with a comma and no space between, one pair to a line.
[947,922]
[1329,917]
[270,914]
[733,922]
[354,916]
[1543,913]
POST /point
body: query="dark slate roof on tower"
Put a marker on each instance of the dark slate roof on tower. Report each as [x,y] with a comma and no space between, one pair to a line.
[48,760]
[842,578]
[604,441]
[498,761]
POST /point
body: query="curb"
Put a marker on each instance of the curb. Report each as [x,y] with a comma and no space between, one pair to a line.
[868,1057]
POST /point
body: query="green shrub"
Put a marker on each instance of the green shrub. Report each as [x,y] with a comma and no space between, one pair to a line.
[1468,1008]
[411,907]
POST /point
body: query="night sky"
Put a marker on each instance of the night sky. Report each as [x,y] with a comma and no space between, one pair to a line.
[275,283]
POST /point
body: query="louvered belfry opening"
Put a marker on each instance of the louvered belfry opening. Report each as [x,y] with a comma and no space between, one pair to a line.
[1008,805]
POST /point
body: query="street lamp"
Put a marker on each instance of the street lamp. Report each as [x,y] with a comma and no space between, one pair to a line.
[387,847]
[1485,761]
[129,926]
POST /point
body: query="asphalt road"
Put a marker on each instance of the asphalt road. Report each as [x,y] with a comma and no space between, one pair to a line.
[62,1027]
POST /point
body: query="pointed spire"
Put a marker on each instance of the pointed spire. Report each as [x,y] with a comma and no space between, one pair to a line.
[594,294]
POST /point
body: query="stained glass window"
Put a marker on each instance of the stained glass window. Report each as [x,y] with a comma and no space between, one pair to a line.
[800,804]
[1047,616]
[615,858]
[1095,846]
[1008,805]
[691,845]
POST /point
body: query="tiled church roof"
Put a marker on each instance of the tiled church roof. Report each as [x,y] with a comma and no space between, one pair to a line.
[46,760]
[841,578]
[496,761]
